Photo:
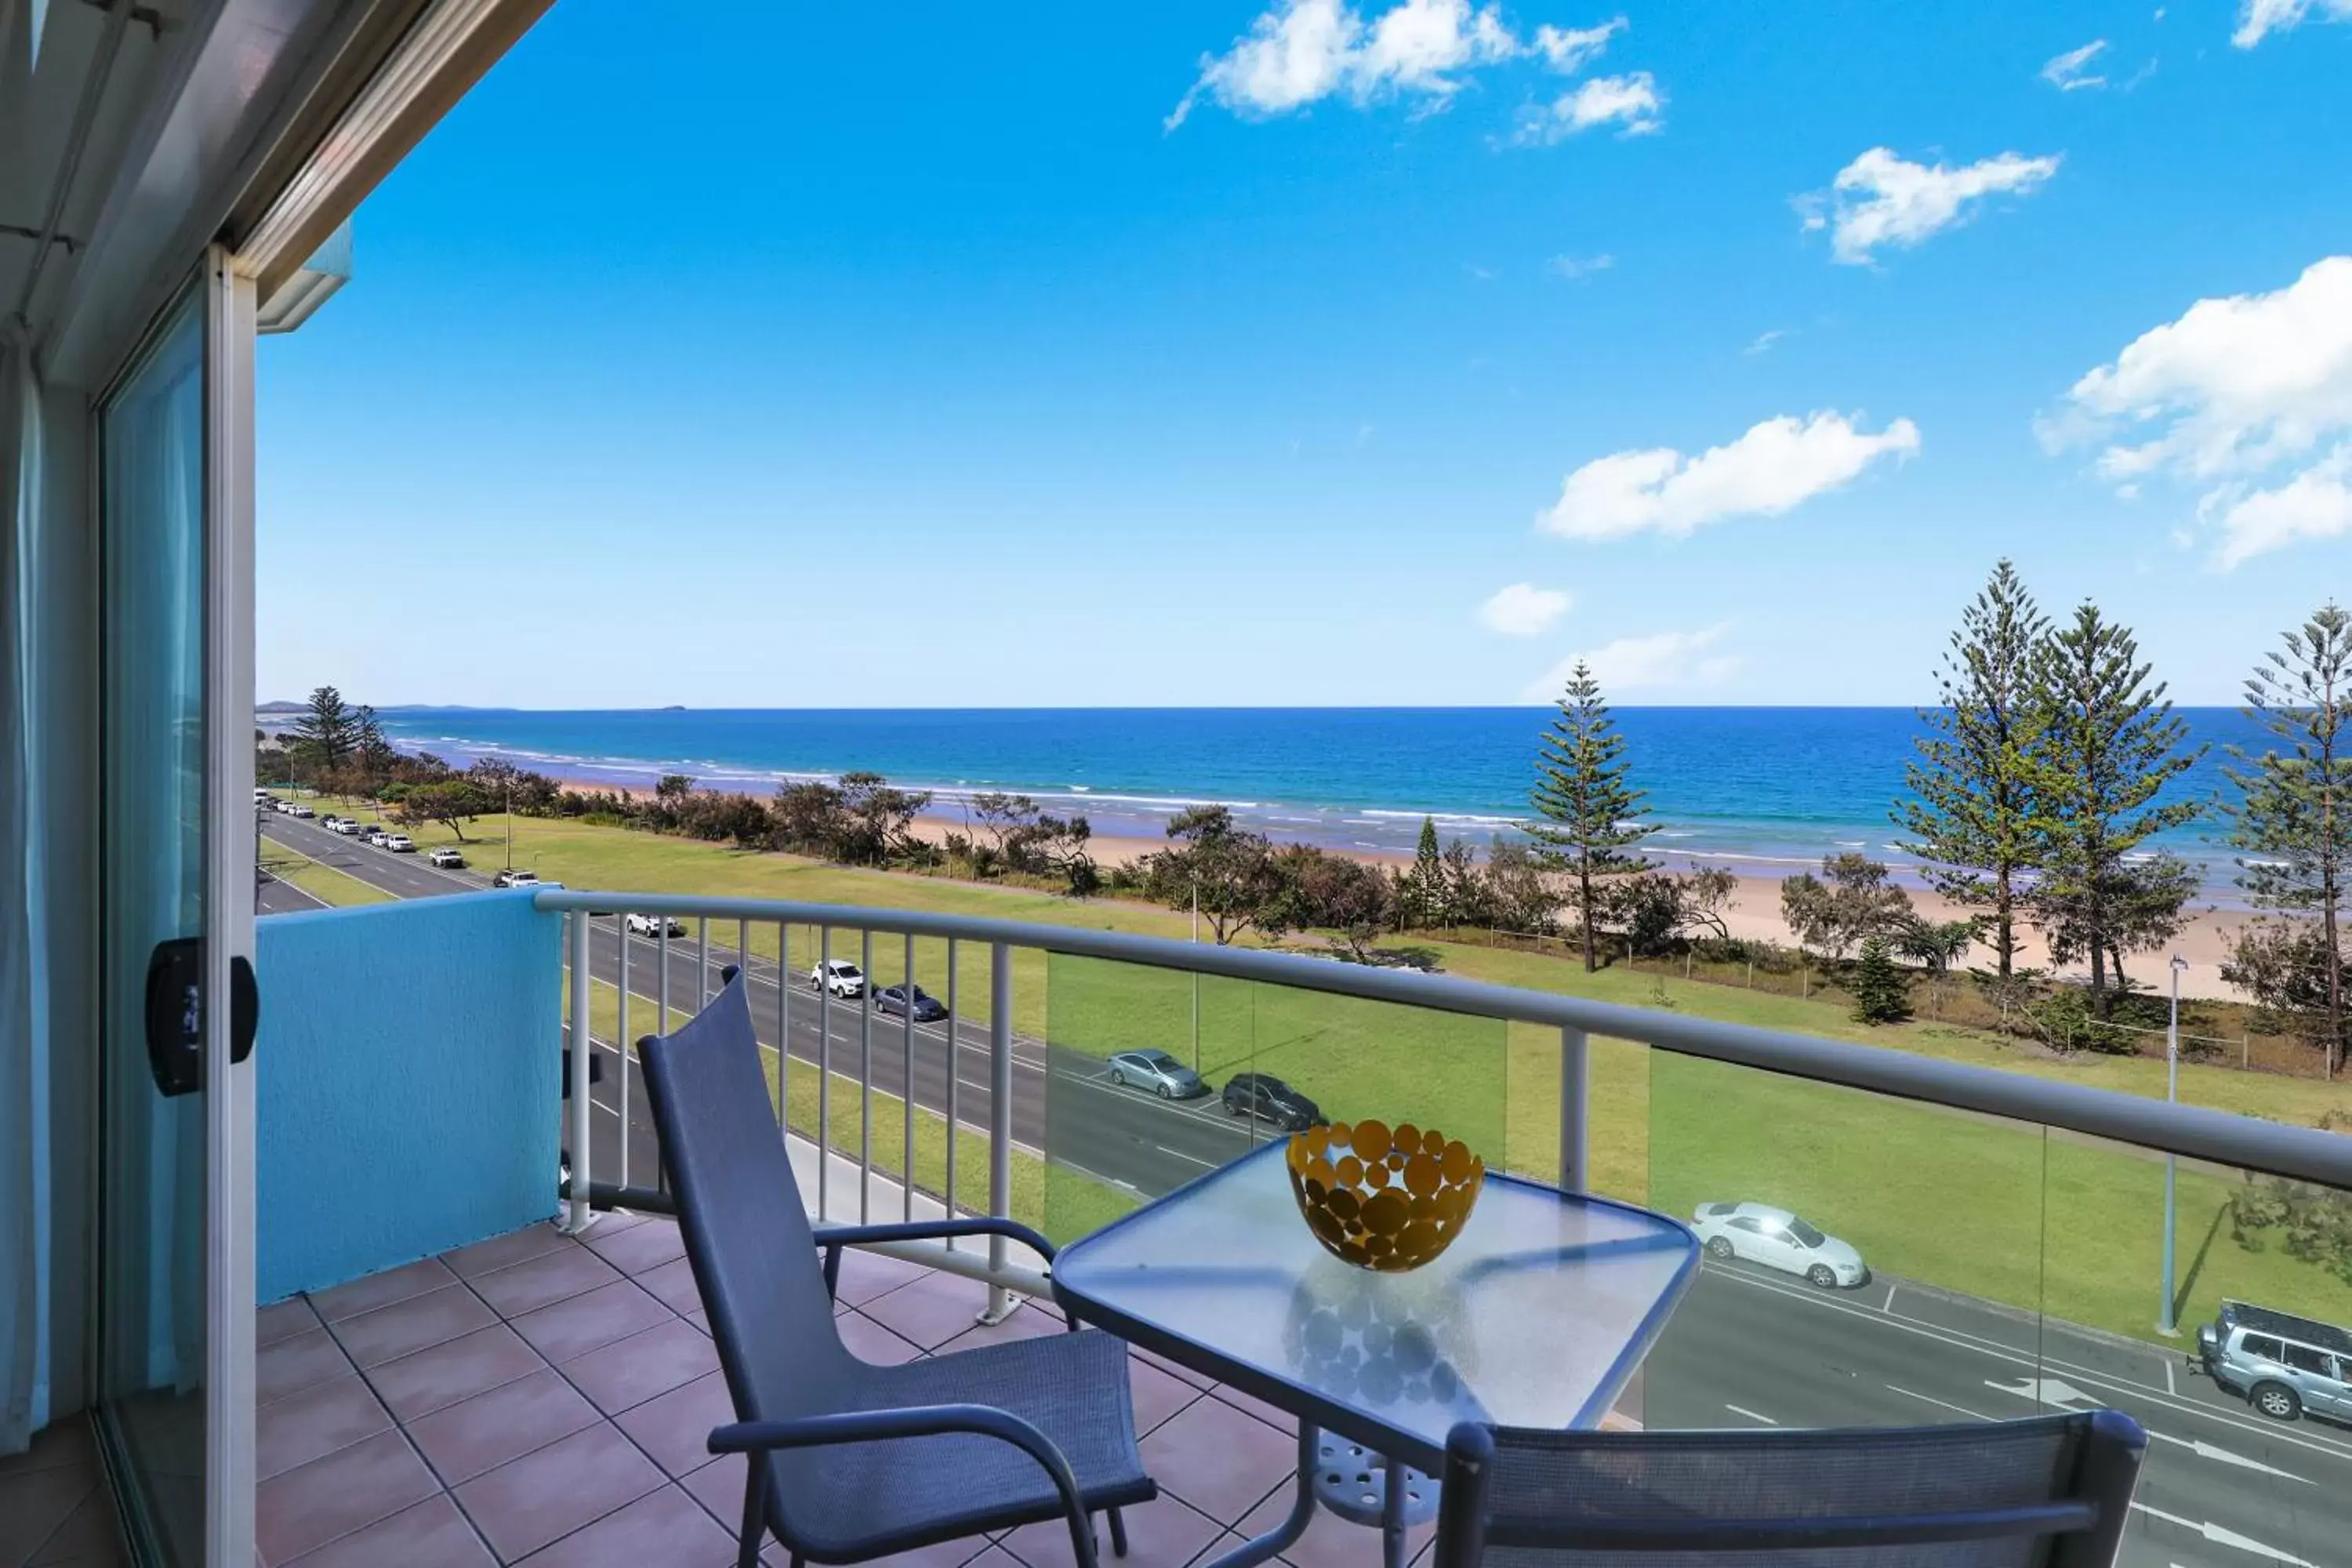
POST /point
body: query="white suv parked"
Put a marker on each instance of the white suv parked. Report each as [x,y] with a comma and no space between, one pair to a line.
[839,977]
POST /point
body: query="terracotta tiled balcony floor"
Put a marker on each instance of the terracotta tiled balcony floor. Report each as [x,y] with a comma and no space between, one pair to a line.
[542,1400]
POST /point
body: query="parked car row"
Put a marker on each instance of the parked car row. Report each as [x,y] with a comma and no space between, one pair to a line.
[1258,1094]
[839,977]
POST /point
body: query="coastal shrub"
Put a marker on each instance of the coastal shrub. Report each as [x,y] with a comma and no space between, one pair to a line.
[2065,1021]
[1880,988]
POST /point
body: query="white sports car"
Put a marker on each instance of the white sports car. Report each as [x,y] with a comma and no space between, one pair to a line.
[1779,1239]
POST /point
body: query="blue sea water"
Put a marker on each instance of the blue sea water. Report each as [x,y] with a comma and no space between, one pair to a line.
[1761,789]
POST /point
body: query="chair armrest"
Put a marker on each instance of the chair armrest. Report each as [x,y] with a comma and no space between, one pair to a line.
[834,1236]
[918,1421]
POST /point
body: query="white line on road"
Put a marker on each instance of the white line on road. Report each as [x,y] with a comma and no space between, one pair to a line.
[2330,1447]
[2223,1456]
[2222,1537]
[1889,1305]
[1752,1415]
[1938,1403]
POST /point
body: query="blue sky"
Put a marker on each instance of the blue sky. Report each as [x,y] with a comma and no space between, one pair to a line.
[878,356]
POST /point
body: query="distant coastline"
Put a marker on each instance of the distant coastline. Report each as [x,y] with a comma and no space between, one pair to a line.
[1765,791]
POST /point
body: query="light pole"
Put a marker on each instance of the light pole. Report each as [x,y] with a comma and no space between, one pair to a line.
[2165,1320]
[1196,975]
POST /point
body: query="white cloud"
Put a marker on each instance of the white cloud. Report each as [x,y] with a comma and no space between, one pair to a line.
[1576,269]
[2257,19]
[1523,610]
[2314,504]
[2067,72]
[1301,51]
[1634,103]
[1663,659]
[1764,340]
[1882,199]
[1569,50]
[1777,465]
[2239,389]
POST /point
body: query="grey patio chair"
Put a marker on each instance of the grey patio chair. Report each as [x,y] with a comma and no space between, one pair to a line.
[2049,1492]
[849,1461]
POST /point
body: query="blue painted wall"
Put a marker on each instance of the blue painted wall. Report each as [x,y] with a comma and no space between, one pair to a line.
[410,1061]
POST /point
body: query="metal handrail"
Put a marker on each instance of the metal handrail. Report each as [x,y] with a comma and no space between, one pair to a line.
[2227,1138]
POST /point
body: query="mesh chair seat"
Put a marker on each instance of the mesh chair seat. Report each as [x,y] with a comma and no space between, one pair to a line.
[872,1497]
[2040,1492]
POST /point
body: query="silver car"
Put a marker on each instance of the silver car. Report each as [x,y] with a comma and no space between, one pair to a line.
[1158,1071]
[2285,1367]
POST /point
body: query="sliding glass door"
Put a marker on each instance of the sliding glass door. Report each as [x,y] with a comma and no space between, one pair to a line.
[176,1317]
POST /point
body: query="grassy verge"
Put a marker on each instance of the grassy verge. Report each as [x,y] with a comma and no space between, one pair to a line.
[2043,1222]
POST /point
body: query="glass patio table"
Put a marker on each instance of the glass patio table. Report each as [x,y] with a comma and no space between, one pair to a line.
[1536,1316]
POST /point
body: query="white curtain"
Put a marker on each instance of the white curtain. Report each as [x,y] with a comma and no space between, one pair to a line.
[25,1173]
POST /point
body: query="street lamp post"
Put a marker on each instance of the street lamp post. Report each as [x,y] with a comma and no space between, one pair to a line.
[1196,975]
[2165,1321]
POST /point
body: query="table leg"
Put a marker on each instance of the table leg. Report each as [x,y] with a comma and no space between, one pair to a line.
[1266,1547]
[1392,1541]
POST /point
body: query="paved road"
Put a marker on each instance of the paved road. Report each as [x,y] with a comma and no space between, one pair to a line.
[2224,1487]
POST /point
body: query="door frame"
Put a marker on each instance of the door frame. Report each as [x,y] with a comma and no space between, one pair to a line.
[230,305]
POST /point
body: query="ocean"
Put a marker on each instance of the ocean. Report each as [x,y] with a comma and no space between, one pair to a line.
[1762,790]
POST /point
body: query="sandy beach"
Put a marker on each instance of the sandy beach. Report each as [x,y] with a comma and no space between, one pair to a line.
[1754,913]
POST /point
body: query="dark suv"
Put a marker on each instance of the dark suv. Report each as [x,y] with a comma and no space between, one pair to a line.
[1269,1099]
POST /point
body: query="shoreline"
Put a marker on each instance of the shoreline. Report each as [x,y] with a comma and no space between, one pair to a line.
[1753,915]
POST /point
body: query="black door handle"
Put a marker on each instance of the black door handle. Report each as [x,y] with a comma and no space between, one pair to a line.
[175,1014]
[244,1008]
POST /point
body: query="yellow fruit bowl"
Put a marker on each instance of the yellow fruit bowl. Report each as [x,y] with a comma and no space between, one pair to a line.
[1385,1200]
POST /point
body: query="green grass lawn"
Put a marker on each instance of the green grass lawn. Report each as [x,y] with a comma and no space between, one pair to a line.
[2043,1222]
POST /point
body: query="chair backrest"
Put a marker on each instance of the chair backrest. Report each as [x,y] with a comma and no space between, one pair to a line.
[738,1208]
[2050,1491]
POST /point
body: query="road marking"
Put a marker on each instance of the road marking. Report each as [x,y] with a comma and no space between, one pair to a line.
[1963,1340]
[1940,1404]
[2223,1537]
[1888,1306]
[2223,1456]
[2169,1388]
[1751,1415]
[2044,1391]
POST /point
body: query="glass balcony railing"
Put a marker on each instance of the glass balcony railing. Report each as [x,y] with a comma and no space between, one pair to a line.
[1890,1239]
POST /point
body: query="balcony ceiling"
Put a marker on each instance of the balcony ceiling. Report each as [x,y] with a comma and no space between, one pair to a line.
[70,111]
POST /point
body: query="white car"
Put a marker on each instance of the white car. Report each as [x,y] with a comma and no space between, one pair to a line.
[376,836]
[303,813]
[449,860]
[347,827]
[1778,1239]
[655,925]
[515,877]
[838,977]
[399,843]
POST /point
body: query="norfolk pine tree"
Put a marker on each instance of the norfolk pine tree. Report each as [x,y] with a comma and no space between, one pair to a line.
[1971,815]
[2110,746]
[1584,801]
[2292,821]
